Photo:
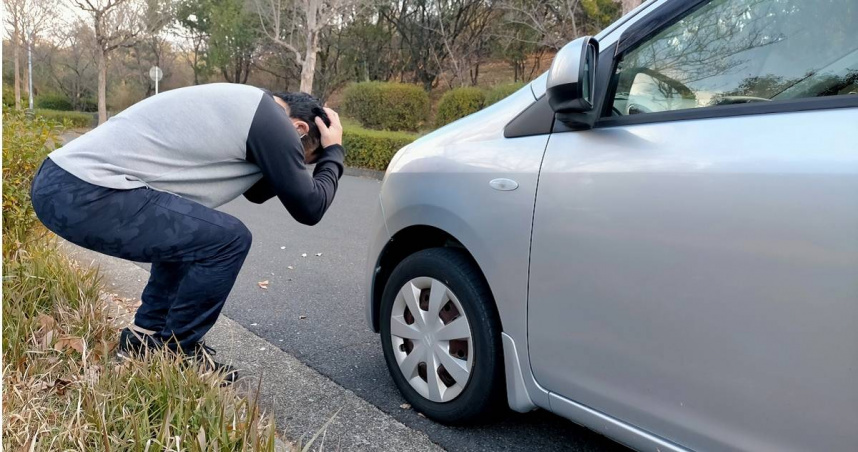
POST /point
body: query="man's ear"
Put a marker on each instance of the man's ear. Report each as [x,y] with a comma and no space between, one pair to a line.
[302,127]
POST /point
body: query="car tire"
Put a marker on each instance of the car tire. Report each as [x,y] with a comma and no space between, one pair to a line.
[482,397]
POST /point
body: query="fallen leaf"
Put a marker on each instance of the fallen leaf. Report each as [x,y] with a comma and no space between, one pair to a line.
[422,415]
[60,385]
[46,322]
[405,406]
[101,350]
[291,267]
[263,284]
[74,343]
[302,317]
[47,339]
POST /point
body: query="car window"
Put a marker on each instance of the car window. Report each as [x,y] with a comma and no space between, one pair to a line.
[742,51]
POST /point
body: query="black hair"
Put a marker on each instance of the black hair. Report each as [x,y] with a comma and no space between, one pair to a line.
[306,108]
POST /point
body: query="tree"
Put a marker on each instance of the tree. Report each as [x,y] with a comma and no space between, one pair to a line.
[462,28]
[196,35]
[298,26]
[118,24]
[70,62]
[417,23]
[561,21]
[27,19]
[233,39]
[224,35]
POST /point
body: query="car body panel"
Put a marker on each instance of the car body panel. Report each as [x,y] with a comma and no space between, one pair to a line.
[443,181]
[698,278]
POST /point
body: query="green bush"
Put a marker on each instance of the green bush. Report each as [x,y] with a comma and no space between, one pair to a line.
[9,97]
[372,149]
[54,101]
[499,92]
[88,104]
[26,143]
[68,118]
[458,103]
[386,106]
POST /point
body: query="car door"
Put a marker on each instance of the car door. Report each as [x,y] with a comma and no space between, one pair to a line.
[694,264]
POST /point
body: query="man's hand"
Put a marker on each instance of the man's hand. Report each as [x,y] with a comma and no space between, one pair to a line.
[332,134]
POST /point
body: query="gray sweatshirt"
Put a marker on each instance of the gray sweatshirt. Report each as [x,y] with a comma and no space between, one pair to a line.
[210,144]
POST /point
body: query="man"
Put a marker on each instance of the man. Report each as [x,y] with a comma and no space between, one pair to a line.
[143,186]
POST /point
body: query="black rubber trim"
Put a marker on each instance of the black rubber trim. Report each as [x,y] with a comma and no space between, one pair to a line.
[723,111]
[537,119]
[663,16]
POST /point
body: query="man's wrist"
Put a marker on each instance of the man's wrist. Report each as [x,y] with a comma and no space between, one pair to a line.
[334,147]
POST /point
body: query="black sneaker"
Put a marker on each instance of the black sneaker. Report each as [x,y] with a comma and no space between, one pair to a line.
[135,344]
[203,356]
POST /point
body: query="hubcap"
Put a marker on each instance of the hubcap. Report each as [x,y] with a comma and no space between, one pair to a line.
[431,339]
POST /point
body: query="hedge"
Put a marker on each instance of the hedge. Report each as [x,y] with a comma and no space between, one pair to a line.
[500,92]
[54,101]
[69,118]
[372,149]
[458,103]
[386,106]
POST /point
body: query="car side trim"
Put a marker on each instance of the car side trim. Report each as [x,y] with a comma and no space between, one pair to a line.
[537,119]
[724,111]
[615,429]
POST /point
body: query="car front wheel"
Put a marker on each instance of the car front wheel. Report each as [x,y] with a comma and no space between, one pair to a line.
[441,337]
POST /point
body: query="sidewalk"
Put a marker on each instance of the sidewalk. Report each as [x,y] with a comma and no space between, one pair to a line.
[301,399]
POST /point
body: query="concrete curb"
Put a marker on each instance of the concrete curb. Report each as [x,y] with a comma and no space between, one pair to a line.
[361,172]
[301,399]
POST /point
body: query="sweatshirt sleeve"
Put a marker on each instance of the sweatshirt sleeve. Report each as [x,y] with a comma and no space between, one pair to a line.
[260,192]
[273,145]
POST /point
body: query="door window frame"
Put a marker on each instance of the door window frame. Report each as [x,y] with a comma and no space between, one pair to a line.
[653,24]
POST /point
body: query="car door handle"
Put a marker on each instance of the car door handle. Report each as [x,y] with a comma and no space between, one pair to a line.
[503,184]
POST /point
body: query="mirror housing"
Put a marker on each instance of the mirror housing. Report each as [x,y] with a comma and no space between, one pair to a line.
[570,85]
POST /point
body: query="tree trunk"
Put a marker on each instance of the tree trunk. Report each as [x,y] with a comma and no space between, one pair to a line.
[102,86]
[308,69]
[24,70]
[16,40]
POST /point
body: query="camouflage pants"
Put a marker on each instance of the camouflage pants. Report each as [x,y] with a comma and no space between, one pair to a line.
[196,252]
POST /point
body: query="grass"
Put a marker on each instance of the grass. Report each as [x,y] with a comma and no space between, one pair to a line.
[63,388]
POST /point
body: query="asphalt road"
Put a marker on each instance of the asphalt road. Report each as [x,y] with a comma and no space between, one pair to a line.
[315,312]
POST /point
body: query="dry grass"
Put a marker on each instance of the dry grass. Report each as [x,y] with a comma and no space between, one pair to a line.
[63,390]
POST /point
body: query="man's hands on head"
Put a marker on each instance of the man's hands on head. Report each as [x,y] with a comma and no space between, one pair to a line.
[333,134]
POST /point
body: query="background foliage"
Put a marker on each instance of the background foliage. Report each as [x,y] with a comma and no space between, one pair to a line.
[386,106]
[458,103]
[372,149]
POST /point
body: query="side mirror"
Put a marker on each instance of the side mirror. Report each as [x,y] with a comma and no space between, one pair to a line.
[570,86]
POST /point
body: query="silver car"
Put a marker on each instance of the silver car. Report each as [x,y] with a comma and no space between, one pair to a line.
[657,239]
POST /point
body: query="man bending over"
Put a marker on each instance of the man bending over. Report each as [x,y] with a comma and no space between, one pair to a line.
[143,186]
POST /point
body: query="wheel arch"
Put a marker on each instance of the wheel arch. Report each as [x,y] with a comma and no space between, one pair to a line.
[404,243]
